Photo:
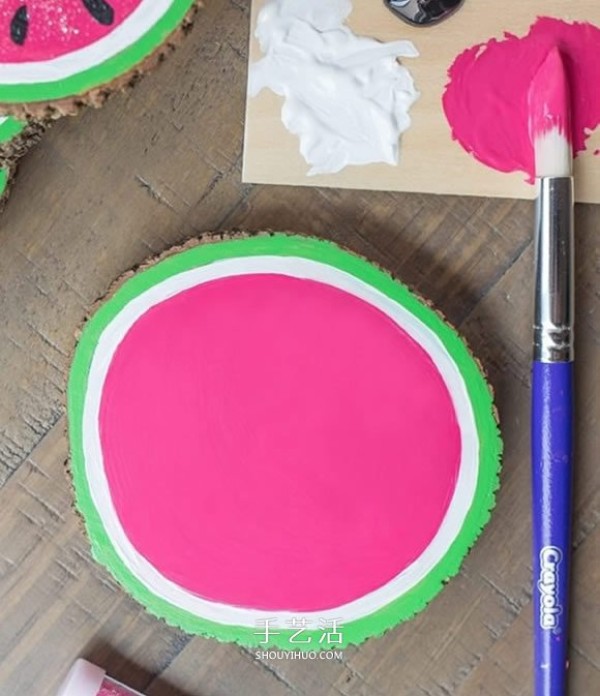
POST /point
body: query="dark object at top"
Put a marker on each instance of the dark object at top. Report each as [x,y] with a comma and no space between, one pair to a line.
[101,11]
[422,13]
[19,25]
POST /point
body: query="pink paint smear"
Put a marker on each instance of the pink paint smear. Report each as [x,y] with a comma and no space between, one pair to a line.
[277,443]
[486,99]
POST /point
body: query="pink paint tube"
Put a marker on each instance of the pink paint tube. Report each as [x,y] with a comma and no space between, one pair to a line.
[85,679]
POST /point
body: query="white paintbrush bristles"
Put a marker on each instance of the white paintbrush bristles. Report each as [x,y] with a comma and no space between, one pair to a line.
[550,118]
[553,154]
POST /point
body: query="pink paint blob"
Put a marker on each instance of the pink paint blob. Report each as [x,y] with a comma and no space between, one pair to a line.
[55,27]
[277,443]
[486,99]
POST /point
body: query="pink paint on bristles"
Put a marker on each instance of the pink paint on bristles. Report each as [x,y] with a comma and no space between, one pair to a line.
[549,98]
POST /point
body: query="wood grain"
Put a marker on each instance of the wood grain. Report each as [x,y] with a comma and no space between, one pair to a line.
[154,167]
[272,154]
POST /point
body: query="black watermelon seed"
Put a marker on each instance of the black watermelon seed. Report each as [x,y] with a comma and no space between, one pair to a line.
[19,25]
[100,10]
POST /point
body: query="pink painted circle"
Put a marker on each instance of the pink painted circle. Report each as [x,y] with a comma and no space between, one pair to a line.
[276,443]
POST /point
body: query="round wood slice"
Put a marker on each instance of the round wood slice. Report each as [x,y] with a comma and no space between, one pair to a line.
[274,442]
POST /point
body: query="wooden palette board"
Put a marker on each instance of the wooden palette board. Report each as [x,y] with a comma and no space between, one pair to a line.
[431,162]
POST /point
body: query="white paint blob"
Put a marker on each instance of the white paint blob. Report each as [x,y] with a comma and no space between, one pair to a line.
[347,97]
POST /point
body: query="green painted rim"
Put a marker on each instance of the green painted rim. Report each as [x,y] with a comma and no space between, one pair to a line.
[403,607]
[4,177]
[10,127]
[104,72]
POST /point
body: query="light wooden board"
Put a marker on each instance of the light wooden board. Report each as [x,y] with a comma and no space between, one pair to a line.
[431,161]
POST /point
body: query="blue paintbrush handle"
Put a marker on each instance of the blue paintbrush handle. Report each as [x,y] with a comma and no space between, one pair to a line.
[552,456]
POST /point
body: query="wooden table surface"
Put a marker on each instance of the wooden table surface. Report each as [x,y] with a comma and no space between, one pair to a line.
[151,169]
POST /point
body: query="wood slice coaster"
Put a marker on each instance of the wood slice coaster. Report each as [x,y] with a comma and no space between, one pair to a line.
[274,442]
[59,55]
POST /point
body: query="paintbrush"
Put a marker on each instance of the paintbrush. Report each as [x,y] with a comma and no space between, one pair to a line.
[552,380]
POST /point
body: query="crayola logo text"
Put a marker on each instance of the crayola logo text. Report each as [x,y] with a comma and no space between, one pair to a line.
[550,608]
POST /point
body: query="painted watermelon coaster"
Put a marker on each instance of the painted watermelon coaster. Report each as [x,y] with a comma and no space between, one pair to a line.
[275,443]
[58,55]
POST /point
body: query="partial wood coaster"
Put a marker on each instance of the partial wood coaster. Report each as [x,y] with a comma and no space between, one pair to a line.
[16,137]
[56,57]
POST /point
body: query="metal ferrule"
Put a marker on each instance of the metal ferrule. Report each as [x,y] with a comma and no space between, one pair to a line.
[554,275]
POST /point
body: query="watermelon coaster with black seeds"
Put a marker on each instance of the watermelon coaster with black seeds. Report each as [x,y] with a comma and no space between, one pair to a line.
[58,55]
[274,442]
